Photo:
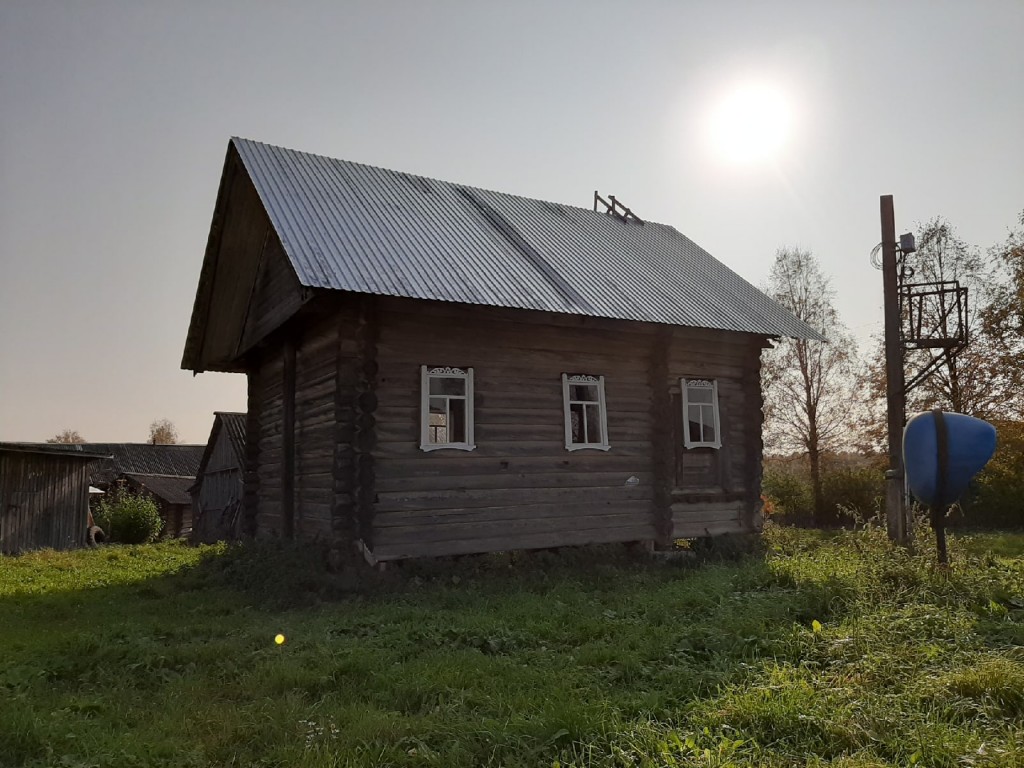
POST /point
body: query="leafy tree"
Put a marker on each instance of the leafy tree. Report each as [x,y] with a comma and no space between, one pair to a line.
[162,432]
[68,437]
[986,378]
[962,381]
[809,384]
[1002,323]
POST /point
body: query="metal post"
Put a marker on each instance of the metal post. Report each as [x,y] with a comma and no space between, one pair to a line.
[940,506]
[894,385]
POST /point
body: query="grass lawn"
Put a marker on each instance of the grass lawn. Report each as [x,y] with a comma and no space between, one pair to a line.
[821,650]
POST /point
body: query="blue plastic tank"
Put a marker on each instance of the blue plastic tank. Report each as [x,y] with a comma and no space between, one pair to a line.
[970,443]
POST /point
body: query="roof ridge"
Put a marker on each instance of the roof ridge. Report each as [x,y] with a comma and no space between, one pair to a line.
[437,180]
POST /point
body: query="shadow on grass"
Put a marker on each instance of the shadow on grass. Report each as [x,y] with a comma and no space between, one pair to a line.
[502,659]
[480,658]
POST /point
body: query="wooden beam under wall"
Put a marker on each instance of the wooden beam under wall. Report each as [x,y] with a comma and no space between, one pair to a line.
[288,442]
[662,447]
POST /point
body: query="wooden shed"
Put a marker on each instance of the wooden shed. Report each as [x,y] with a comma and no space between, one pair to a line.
[170,493]
[435,369]
[44,497]
[217,492]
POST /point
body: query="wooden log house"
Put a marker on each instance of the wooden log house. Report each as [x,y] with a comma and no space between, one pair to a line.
[435,369]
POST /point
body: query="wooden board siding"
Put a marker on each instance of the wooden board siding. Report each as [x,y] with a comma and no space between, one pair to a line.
[220,493]
[276,294]
[44,502]
[520,488]
[246,231]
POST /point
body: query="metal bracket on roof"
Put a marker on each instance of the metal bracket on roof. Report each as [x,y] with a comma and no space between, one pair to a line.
[614,208]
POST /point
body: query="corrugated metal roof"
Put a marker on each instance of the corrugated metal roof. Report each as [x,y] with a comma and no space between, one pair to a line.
[140,458]
[354,227]
[73,450]
[234,425]
[171,488]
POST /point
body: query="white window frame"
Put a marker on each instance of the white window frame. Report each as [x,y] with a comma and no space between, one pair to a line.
[711,384]
[442,372]
[582,378]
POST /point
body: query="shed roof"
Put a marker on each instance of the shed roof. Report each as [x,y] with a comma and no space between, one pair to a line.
[143,458]
[352,227]
[56,449]
[173,489]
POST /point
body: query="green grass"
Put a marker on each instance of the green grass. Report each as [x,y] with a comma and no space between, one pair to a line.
[818,650]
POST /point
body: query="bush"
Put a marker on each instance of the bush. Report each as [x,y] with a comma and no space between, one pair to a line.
[128,518]
[998,498]
[786,485]
[854,490]
[789,493]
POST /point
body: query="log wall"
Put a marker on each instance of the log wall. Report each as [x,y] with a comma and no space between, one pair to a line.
[360,474]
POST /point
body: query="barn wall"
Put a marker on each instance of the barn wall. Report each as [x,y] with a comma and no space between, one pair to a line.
[220,493]
[44,502]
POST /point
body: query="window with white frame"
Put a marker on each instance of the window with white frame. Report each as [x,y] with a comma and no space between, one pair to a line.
[700,413]
[586,417]
[446,408]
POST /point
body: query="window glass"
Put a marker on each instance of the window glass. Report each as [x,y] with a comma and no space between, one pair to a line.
[586,420]
[445,385]
[576,418]
[701,395]
[700,407]
[446,396]
[457,428]
[584,392]
[593,424]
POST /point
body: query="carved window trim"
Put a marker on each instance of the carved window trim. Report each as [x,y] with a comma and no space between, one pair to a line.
[427,373]
[703,384]
[581,378]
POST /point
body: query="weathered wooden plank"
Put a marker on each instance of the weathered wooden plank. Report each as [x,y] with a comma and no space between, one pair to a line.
[695,530]
[458,483]
[288,442]
[574,513]
[483,529]
[501,543]
[465,499]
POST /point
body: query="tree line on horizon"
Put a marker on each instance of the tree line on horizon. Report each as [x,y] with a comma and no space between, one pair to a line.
[161,432]
[825,399]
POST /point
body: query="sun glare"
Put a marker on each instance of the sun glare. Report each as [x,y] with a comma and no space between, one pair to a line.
[751,123]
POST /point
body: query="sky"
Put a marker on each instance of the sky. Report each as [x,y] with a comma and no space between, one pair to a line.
[115,119]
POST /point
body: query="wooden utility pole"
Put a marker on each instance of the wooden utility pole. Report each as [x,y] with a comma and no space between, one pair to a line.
[896,520]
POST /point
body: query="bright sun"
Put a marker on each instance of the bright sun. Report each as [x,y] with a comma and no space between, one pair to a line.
[751,123]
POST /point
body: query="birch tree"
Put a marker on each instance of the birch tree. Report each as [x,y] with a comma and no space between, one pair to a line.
[808,384]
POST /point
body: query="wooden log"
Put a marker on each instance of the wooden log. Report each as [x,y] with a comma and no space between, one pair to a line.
[288,441]
[501,543]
